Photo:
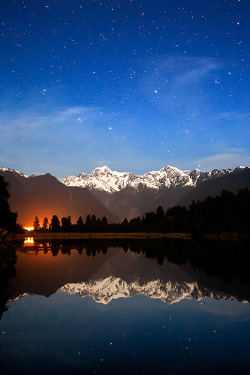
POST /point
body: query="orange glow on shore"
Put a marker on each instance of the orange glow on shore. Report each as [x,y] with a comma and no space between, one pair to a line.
[28,241]
[29,229]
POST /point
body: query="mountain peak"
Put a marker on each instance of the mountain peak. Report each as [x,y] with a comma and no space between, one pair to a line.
[168,168]
[240,168]
[104,179]
[104,169]
[172,170]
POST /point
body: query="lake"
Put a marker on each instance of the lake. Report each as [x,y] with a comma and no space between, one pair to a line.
[125,307]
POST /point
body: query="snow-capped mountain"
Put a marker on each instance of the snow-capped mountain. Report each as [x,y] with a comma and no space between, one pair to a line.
[129,195]
[110,288]
[12,170]
[104,179]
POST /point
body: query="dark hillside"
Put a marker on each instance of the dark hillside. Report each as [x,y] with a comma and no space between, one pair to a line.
[210,188]
[45,196]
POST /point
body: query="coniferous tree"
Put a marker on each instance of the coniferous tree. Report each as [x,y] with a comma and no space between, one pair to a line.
[159,213]
[104,224]
[88,220]
[124,225]
[45,223]
[36,224]
[66,224]
[55,224]
[104,220]
[80,224]
[80,221]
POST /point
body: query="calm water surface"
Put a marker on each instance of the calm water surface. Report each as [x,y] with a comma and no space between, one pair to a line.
[124,308]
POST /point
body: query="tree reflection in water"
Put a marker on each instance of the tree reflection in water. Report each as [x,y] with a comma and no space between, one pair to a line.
[226,259]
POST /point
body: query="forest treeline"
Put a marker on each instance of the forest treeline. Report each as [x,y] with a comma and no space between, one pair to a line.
[225,213]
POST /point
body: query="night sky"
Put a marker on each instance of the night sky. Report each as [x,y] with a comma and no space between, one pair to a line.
[132,84]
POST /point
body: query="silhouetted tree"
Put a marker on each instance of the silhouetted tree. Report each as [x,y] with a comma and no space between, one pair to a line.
[124,225]
[159,213]
[45,223]
[80,224]
[36,224]
[88,220]
[135,225]
[66,224]
[104,220]
[55,224]
[125,222]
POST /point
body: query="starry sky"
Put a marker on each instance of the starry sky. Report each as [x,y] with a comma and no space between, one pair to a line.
[132,84]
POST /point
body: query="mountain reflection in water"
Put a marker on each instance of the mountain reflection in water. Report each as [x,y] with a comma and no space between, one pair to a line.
[110,269]
[132,324]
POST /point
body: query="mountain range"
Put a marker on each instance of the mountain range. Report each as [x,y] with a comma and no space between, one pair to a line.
[104,179]
[129,195]
[115,195]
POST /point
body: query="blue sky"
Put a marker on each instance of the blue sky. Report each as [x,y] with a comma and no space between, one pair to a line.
[134,85]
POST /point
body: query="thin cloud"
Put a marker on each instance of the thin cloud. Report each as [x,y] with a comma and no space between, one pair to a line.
[233,116]
[175,86]
[184,70]
[194,69]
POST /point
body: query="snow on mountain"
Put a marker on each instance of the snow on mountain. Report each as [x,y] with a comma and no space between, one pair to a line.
[104,179]
[12,170]
[105,290]
[101,179]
